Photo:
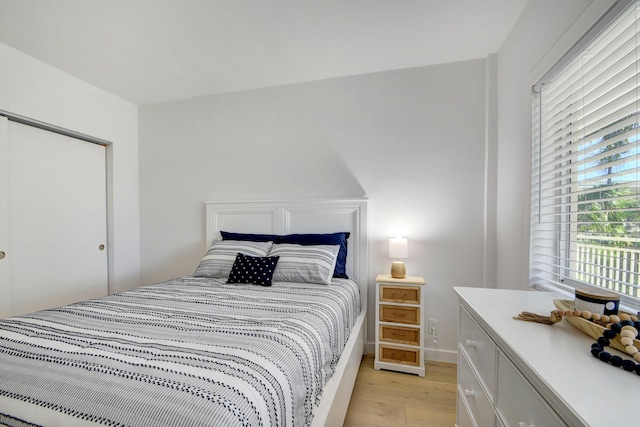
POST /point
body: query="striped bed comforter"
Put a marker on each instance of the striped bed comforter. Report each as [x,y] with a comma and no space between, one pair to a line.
[187,352]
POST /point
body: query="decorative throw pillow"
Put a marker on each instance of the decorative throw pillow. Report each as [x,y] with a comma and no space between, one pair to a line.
[340,269]
[256,270]
[219,259]
[304,264]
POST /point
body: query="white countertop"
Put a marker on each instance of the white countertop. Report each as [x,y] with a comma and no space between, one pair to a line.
[555,359]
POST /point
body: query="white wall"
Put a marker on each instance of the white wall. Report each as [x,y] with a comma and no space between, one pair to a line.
[533,45]
[33,89]
[397,137]
[411,140]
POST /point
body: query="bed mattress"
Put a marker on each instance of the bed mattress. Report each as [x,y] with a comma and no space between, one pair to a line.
[186,352]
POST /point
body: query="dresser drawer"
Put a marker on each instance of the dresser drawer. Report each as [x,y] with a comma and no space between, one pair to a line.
[400,335]
[399,314]
[474,396]
[480,350]
[517,402]
[400,294]
[401,356]
[463,415]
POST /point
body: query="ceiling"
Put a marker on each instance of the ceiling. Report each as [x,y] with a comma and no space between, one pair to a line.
[150,51]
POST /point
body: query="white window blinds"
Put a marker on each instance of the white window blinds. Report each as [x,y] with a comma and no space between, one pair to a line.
[585,184]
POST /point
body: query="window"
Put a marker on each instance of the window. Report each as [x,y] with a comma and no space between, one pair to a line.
[585,228]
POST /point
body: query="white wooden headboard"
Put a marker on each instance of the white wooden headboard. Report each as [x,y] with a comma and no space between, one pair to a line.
[298,216]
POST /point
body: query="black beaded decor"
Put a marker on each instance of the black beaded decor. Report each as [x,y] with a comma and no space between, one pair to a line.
[628,329]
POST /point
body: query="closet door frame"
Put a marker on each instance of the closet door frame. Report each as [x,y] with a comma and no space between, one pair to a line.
[5,244]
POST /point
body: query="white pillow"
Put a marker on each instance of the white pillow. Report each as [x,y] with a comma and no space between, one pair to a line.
[218,260]
[304,263]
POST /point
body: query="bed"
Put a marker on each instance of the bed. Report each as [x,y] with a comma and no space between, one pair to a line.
[201,350]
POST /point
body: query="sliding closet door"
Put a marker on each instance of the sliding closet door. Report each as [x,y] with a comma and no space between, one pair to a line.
[57,214]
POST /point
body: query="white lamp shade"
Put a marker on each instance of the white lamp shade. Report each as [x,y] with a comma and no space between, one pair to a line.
[398,248]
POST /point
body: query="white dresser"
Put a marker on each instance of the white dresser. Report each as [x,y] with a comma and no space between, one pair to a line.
[522,374]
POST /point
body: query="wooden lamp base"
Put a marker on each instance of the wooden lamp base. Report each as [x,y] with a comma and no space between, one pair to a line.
[398,270]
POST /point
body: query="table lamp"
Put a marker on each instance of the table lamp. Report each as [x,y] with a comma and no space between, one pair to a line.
[398,249]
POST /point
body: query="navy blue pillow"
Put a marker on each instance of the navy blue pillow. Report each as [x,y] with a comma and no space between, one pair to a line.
[250,269]
[323,239]
[249,237]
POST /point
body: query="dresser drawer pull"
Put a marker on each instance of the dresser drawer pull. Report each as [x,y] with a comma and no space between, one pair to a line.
[399,314]
[471,343]
[469,393]
[523,424]
[399,334]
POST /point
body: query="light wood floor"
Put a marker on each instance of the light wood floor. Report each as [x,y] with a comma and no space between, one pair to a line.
[385,398]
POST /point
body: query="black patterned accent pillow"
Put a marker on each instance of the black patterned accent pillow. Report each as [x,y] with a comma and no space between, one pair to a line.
[251,269]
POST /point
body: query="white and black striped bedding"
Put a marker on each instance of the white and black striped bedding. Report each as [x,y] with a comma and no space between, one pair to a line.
[190,351]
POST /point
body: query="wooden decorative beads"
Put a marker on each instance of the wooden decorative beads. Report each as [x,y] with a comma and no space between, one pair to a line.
[626,341]
[595,317]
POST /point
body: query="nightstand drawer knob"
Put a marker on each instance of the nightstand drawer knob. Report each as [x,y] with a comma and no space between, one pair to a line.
[399,359]
[469,393]
[471,343]
[400,300]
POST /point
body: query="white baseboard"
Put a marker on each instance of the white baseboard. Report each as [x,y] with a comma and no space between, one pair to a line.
[448,356]
[431,355]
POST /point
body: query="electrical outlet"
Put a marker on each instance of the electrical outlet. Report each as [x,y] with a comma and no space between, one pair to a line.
[434,327]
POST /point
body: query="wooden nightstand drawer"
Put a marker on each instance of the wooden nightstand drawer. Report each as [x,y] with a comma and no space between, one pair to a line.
[401,356]
[400,335]
[397,314]
[400,294]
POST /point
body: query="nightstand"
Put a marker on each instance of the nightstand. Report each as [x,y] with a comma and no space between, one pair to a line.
[400,324]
